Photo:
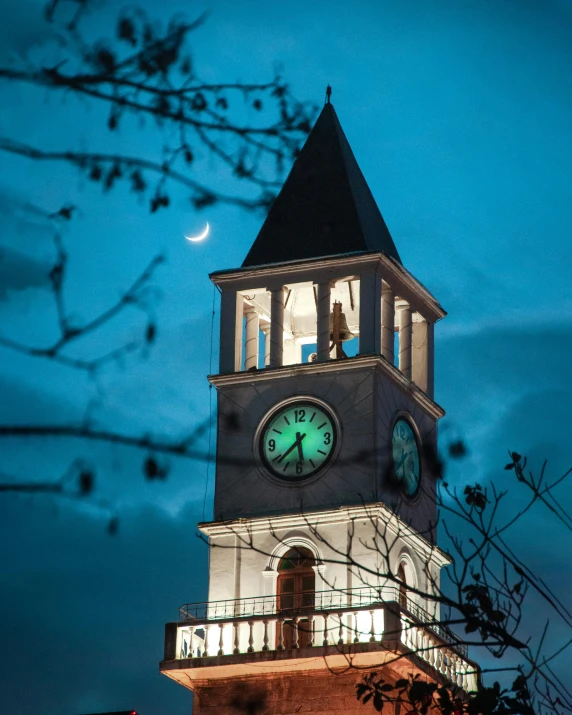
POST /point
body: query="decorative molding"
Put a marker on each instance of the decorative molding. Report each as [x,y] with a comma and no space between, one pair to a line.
[405,557]
[290,542]
[314,519]
[402,282]
[376,362]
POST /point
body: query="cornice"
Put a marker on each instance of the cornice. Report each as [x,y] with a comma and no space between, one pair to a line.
[376,362]
[399,278]
[342,515]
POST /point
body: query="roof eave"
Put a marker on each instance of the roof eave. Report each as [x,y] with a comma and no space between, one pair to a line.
[403,283]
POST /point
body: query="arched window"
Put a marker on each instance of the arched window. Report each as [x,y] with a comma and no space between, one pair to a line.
[296,592]
[296,579]
[296,557]
[402,585]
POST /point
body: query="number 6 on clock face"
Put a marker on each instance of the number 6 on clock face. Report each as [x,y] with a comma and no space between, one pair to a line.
[297,440]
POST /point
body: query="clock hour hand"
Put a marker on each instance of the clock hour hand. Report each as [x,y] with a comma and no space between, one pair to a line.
[299,445]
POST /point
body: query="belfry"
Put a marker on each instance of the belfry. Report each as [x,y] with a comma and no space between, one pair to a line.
[323,558]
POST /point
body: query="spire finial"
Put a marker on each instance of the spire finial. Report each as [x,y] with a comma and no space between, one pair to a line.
[328,94]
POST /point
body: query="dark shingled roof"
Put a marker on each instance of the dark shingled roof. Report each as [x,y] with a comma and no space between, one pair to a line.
[325,207]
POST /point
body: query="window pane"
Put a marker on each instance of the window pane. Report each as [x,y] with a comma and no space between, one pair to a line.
[308,583]
[296,557]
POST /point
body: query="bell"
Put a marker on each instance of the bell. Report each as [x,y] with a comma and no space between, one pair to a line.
[338,320]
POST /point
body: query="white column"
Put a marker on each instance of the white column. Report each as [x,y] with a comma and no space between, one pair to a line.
[369,313]
[387,322]
[276,326]
[430,360]
[320,584]
[405,339]
[270,580]
[266,331]
[252,330]
[230,331]
[323,321]
[422,360]
[237,566]
[349,544]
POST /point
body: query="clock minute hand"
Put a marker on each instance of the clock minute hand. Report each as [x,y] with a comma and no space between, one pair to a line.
[292,447]
[402,460]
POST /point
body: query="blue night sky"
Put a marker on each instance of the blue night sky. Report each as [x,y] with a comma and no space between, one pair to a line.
[459,114]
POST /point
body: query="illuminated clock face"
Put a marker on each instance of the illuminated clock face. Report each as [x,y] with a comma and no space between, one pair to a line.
[297,440]
[405,457]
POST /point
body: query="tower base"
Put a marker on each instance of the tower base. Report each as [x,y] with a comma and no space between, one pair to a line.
[321,692]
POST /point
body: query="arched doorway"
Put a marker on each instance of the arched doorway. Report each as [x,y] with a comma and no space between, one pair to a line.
[402,585]
[296,593]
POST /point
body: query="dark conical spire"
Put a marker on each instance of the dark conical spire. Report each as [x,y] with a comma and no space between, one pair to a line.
[325,207]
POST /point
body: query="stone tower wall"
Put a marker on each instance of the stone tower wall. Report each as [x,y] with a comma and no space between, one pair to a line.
[318,692]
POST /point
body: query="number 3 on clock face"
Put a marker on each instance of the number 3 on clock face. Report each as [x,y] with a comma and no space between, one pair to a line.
[297,440]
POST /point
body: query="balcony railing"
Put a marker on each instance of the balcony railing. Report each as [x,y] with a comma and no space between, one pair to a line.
[321,601]
[334,618]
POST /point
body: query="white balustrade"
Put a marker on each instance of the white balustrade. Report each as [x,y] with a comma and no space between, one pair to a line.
[427,646]
[236,650]
[325,630]
[249,635]
[336,619]
[206,649]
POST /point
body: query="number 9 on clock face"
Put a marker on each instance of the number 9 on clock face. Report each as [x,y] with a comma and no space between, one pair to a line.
[297,440]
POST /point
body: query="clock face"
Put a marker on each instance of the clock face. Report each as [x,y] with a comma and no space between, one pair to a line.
[297,440]
[405,457]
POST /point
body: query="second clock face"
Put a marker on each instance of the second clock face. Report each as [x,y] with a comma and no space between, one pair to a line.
[297,440]
[405,457]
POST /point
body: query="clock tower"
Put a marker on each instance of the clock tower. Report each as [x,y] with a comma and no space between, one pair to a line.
[323,556]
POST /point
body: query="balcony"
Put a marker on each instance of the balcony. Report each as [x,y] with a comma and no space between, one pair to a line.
[328,623]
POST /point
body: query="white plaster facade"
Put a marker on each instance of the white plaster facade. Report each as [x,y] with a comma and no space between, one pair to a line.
[354,547]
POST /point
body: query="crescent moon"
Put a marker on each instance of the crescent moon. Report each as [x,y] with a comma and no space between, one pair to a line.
[201,236]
